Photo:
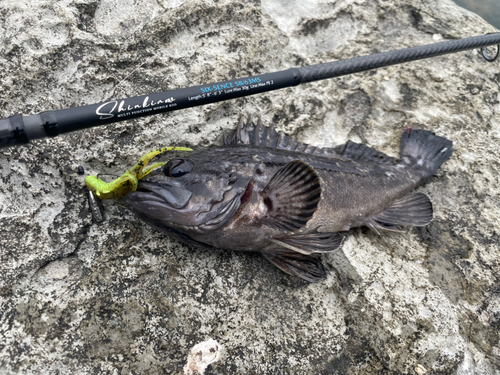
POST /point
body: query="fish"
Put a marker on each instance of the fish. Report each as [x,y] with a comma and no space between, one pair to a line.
[265,191]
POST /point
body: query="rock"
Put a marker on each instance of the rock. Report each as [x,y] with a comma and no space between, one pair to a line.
[120,297]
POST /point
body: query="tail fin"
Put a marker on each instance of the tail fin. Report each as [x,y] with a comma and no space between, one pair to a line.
[425,149]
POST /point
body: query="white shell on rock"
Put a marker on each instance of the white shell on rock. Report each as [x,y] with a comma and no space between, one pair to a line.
[202,355]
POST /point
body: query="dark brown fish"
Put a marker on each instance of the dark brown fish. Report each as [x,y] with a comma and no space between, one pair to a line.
[264,191]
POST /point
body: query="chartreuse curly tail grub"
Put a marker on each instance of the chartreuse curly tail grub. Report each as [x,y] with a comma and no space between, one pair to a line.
[129,180]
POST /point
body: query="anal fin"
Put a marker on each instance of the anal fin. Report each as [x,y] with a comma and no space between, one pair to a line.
[307,267]
[414,209]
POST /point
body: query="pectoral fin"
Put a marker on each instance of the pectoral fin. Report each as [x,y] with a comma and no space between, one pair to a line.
[414,209]
[291,197]
[307,267]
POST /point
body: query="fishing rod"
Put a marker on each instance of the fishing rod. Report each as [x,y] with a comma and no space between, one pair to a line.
[18,130]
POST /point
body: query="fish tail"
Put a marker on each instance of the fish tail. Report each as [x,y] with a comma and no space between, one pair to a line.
[425,149]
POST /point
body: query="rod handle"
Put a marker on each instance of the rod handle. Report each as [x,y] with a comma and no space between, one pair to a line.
[20,130]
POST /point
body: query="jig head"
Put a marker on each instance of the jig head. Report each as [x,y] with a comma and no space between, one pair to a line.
[125,184]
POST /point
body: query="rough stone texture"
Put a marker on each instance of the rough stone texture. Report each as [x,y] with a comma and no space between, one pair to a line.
[121,298]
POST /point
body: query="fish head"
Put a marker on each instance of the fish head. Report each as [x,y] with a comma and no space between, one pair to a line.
[193,195]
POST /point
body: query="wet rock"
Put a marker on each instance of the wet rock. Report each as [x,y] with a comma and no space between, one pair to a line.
[119,297]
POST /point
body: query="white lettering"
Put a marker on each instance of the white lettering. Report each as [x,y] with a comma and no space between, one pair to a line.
[104,113]
[120,107]
[107,114]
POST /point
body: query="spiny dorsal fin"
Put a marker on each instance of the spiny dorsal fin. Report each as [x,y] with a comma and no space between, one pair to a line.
[260,135]
[307,267]
[291,196]
[310,243]
[414,209]
[359,151]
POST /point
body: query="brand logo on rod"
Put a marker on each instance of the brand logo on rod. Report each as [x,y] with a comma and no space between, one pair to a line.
[110,109]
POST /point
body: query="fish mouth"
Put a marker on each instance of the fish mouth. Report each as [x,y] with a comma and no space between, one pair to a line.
[169,205]
[175,197]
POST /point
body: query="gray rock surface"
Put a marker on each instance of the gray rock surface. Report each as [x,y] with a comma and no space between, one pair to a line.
[122,298]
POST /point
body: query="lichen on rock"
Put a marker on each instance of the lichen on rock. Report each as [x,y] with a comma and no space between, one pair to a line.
[121,297]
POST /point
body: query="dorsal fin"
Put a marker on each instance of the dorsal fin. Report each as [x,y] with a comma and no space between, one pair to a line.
[259,135]
[359,151]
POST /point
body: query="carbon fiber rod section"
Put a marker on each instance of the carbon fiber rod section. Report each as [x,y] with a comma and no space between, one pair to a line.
[19,129]
[360,64]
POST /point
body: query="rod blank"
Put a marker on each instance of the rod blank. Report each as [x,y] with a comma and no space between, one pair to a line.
[19,130]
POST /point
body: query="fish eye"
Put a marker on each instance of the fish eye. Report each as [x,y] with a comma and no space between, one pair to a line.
[177,168]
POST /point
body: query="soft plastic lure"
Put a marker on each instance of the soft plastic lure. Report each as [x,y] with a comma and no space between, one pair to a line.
[129,180]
